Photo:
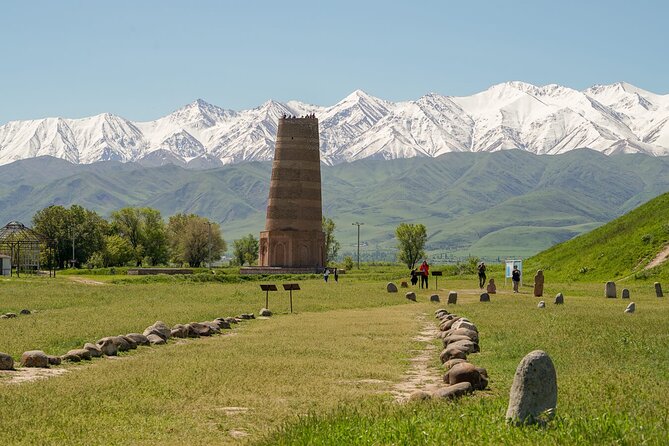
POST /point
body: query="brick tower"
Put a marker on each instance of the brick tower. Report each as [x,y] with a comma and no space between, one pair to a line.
[293,235]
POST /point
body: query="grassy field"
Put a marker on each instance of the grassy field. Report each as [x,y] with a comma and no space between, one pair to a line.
[323,375]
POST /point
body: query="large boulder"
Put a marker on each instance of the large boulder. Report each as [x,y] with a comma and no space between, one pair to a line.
[471,334]
[451,362]
[137,338]
[77,355]
[223,323]
[264,312]
[93,349]
[485,297]
[411,296]
[246,316]
[54,360]
[467,346]
[158,328]
[464,323]
[6,362]
[441,312]
[154,339]
[34,358]
[122,344]
[448,323]
[533,396]
[179,331]
[197,329]
[25,311]
[454,391]
[391,287]
[454,338]
[107,346]
[452,352]
[467,372]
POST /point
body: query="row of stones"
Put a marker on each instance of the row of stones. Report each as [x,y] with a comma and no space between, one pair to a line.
[12,315]
[610,290]
[156,334]
[460,337]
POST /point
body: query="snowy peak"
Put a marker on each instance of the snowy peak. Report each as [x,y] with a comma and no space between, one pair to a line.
[549,119]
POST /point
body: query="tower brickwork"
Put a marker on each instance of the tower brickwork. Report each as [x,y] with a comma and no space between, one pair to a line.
[293,235]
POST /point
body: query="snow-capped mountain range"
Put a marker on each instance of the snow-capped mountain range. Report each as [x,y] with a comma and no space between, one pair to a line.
[514,115]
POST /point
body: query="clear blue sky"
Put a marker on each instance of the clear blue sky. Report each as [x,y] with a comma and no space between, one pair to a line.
[144,59]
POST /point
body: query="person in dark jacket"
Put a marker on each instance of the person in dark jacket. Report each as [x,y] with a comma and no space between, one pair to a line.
[515,278]
[482,276]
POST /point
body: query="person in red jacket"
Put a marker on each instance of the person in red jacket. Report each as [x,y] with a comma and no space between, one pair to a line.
[424,271]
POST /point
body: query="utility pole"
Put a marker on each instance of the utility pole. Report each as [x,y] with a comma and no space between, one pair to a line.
[209,243]
[73,235]
[358,225]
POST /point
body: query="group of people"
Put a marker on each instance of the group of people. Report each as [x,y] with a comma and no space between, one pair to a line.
[423,272]
[515,276]
[326,274]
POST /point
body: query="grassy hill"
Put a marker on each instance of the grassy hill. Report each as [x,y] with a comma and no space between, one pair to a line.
[508,203]
[619,249]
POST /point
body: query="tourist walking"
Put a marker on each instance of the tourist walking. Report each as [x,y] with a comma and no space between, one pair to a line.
[515,278]
[424,271]
[326,274]
[336,275]
[482,276]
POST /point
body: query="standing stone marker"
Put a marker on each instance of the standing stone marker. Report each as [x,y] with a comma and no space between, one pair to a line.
[610,290]
[625,293]
[391,287]
[534,390]
[631,308]
[434,298]
[541,304]
[491,288]
[452,298]
[411,296]
[559,299]
[658,289]
[485,297]
[539,284]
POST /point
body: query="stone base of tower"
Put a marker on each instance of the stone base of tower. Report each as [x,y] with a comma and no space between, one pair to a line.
[292,249]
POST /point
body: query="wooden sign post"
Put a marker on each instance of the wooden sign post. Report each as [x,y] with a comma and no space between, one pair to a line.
[267,288]
[436,275]
[290,287]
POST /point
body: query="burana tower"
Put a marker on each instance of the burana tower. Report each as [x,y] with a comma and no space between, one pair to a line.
[293,235]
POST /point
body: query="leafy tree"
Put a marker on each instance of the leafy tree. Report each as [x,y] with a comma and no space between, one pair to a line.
[118,251]
[411,243]
[192,238]
[245,250]
[63,225]
[146,232]
[331,244]
[348,263]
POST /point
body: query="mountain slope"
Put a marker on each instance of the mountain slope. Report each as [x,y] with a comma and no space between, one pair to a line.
[506,203]
[617,118]
[618,249]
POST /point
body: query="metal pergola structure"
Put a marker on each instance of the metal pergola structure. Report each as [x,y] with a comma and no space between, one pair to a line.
[28,249]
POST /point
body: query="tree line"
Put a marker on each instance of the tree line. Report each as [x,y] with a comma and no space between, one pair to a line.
[132,236]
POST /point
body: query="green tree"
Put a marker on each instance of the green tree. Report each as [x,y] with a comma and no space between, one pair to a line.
[146,232]
[193,238]
[348,263]
[63,225]
[118,251]
[245,250]
[411,240]
[331,244]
